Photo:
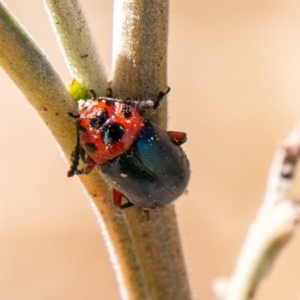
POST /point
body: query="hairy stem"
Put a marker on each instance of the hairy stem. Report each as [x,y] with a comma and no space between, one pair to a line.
[139,71]
[28,67]
[75,41]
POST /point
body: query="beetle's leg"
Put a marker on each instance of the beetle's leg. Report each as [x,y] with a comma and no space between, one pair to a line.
[109,92]
[160,97]
[117,197]
[177,137]
[90,164]
[126,205]
[75,116]
[82,155]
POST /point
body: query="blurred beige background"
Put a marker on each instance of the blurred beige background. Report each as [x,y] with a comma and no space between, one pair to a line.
[234,70]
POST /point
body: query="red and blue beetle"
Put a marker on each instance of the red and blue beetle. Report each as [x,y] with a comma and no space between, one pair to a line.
[141,161]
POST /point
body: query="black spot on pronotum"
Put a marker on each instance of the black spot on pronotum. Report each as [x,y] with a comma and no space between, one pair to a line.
[112,133]
[90,147]
[126,111]
[97,121]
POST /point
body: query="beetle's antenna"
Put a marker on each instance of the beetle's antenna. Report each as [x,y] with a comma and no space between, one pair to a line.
[75,156]
[160,96]
[138,104]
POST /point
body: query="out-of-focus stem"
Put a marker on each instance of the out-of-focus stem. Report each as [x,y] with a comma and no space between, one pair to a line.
[273,226]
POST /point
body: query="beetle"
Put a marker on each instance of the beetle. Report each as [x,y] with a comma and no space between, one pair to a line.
[140,160]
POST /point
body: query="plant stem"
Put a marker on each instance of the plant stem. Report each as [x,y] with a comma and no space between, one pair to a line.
[75,41]
[28,67]
[139,71]
[273,226]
